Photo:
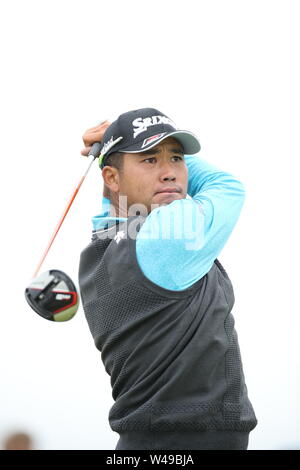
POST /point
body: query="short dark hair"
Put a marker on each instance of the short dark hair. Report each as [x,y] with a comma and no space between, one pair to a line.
[116,160]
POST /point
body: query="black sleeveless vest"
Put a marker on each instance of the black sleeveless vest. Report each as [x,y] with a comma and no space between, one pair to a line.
[173,356]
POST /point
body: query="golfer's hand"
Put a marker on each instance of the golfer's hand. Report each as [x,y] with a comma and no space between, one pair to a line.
[92,135]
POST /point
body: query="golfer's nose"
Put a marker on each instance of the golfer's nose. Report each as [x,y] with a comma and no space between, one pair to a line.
[167,173]
[169,178]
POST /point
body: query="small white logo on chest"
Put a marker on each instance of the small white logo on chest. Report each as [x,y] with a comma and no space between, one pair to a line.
[119,236]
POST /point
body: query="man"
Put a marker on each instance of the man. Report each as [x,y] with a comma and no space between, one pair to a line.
[18,441]
[157,300]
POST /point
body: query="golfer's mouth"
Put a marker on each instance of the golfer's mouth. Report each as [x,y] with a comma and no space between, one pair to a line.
[168,191]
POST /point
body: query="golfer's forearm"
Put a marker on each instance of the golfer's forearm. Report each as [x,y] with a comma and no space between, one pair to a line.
[189,235]
[181,260]
[204,177]
[221,196]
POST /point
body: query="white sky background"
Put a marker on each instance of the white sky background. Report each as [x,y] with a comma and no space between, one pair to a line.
[226,70]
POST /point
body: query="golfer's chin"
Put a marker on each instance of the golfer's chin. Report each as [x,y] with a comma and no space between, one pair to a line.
[166,198]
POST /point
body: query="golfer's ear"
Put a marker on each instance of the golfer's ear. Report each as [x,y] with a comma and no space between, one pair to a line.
[110,177]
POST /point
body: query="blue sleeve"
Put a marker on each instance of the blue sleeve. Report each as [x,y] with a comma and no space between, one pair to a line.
[179,242]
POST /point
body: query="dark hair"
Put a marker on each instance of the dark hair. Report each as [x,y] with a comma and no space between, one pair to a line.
[116,160]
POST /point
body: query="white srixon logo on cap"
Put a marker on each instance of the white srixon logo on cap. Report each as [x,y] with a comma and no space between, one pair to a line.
[141,124]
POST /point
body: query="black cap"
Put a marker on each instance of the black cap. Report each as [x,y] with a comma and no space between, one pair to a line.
[141,129]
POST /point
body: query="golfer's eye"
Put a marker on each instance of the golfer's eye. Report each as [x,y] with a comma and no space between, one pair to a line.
[180,158]
[151,159]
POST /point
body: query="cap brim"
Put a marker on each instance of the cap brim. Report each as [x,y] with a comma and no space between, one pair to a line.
[188,140]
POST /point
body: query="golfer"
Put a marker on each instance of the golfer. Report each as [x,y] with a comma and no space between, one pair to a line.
[157,300]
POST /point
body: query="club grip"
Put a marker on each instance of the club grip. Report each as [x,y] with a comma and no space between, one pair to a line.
[95,150]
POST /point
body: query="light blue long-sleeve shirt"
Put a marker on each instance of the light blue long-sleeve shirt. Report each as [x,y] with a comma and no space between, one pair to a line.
[179,242]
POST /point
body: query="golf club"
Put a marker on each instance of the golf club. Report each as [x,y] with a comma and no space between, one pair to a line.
[53,294]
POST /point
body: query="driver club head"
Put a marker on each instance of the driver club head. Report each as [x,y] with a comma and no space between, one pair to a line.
[53,296]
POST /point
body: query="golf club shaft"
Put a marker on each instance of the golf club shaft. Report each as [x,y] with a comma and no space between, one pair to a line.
[63,217]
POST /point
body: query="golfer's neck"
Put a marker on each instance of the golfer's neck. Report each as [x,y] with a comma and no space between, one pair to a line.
[118,211]
[119,208]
